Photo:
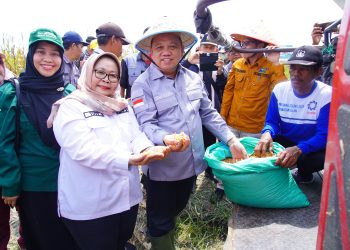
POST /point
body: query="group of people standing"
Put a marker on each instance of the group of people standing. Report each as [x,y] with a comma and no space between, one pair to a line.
[69,157]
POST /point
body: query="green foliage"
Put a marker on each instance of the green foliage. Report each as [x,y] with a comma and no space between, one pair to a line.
[286,71]
[14,54]
[203,224]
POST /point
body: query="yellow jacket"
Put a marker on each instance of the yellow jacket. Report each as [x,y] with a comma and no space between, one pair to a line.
[247,93]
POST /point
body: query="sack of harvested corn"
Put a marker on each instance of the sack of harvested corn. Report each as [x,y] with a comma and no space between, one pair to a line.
[255,182]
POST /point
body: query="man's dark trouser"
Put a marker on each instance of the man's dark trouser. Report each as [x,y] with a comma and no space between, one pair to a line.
[165,200]
[307,163]
[109,232]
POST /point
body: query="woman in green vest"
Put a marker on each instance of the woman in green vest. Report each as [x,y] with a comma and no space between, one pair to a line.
[28,175]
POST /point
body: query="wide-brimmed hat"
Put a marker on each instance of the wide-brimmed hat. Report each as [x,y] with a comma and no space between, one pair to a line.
[257,32]
[162,27]
[305,55]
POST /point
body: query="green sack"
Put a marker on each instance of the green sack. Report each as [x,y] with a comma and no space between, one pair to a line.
[255,182]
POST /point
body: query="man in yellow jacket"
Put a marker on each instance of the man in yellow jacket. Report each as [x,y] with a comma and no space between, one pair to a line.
[250,83]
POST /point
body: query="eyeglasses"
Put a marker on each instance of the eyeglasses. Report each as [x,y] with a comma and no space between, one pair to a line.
[246,43]
[100,74]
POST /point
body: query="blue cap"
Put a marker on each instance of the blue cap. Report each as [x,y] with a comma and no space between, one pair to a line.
[73,37]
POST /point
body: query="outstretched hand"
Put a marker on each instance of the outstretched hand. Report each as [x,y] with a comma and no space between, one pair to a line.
[177,142]
[148,155]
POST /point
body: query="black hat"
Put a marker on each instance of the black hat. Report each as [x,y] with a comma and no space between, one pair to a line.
[306,55]
[206,40]
[89,39]
[110,29]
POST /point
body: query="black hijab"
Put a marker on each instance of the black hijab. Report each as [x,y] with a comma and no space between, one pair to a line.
[38,93]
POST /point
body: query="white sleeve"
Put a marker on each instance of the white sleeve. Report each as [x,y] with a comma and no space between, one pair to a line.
[139,140]
[82,145]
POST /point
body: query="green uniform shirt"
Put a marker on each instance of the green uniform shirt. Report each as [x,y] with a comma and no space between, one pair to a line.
[36,168]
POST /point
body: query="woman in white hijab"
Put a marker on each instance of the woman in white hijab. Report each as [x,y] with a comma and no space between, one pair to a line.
[101,147]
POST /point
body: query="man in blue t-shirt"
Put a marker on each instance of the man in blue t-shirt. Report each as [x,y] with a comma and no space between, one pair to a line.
[297,116]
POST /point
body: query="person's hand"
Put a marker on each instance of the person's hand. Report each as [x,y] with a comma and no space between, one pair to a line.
[11,201]
[194,58]
[148,155]
[220,64]
[273,57]
[316,34]
[177,142]
[288,157]
[155,150]
[237,150]
[264,145]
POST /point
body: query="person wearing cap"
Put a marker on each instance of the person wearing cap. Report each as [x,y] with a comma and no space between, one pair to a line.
[110,38]
[298,115]
[73,47]
[171,105]
[132,66]
[101,148]
[250,83]
[214,81]
[90,47]
[86,52]
[30,173]
[232,56]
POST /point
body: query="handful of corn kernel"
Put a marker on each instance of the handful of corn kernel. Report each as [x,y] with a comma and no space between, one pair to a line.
[180,137]
[153,150]
[267,154]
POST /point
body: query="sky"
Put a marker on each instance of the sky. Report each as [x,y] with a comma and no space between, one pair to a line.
[289,21]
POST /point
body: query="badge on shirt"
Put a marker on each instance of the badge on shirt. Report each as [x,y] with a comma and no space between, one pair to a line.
[126,110]
[92,113]
[263,70]
[138,102]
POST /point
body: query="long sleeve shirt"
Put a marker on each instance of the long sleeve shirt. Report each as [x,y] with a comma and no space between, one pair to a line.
[35,167]
[164,106]
[94,177]
[300,119]
[71,72]
[247,93]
